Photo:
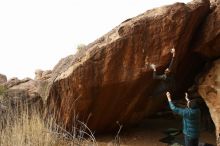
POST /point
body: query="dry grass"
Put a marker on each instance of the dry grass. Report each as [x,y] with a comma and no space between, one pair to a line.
[25,129]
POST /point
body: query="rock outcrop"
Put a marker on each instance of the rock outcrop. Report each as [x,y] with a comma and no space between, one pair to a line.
[3,79]
[21,92]
[209,89]
[42,75]
[207,43]
[105,82]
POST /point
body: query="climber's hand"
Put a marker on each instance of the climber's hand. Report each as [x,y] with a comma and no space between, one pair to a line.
[186,97]
[173,51]
[168,96]
[153,66]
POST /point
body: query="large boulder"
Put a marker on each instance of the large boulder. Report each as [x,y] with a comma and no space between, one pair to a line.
[209,89]
[208,37]
[105,82]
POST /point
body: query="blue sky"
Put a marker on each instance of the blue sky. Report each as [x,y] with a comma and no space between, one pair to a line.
[36,34]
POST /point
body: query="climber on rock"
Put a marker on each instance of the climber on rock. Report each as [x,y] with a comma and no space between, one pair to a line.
[191,119]
[167,79]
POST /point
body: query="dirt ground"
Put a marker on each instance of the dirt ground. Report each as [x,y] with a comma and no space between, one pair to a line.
[149,132]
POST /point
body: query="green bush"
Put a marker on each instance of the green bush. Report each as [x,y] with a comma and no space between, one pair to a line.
[80,47]
[2,90]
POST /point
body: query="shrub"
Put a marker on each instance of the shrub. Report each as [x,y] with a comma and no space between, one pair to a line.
[81,47]
[2,90]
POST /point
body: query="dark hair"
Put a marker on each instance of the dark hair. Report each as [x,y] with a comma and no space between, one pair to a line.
[193,104]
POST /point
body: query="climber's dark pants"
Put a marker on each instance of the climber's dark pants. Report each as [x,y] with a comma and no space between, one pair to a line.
[191,141]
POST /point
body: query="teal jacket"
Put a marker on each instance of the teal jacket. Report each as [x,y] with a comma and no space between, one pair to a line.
[191,120]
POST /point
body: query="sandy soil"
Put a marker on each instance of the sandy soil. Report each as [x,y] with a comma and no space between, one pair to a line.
[149,132]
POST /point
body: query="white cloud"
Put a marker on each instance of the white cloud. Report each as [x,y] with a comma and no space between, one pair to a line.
[38,33]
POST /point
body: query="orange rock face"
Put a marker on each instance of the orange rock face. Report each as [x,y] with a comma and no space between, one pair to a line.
[208,43]
[209,89]
[105,82]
